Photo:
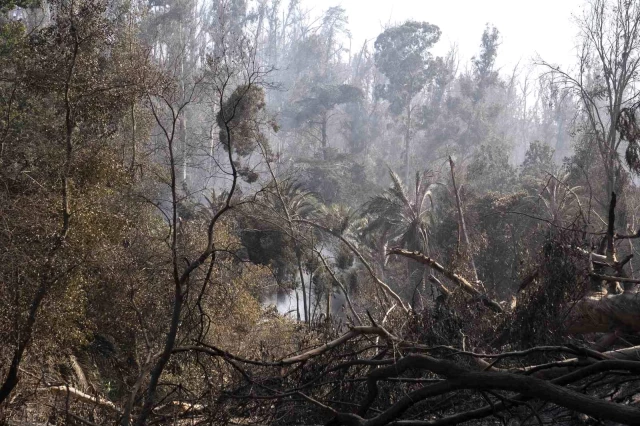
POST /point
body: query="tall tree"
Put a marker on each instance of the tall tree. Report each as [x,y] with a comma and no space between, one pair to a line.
[402,55]
[606,79]
[316,110]
[66,92]
[484,64]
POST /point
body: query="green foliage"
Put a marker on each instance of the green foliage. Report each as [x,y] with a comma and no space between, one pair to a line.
[359,130]
[338,179]
[503,240]
[8,5]
[314,110]
[491,170]
[11,39]
[537,156]
[541,315]
[263,247]
[323,99]
[402,214]
[470,110]
[538,162]
[632,156]
[629,131]
[402,55]
[241,120]
[483,65]
[266,234]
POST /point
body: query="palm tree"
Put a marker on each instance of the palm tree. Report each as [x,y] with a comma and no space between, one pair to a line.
[400,216]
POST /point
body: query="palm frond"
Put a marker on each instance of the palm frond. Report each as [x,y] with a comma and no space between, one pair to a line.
[401,219]
[398,189]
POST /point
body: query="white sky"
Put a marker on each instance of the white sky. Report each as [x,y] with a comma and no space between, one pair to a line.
[527,27]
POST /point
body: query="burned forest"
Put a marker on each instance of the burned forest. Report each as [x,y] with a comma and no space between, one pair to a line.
[255,212]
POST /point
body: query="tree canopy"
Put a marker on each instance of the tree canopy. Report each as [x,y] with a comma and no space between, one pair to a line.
[227,213]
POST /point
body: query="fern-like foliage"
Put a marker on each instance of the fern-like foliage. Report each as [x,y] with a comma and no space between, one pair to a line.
[402,213]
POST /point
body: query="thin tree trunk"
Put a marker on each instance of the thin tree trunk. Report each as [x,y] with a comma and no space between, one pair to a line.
[311,312]
[183,118]
[329,302]
[340,285]
[324,124]
[462,225]
[407,143]
[24,335]
[211,146]
[11,379]
[297,305]
[183,137]
[304,290]
[134,148]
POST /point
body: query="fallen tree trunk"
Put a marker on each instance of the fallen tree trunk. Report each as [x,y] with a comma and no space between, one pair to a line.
[556,369]
[458,378]
[457,279]
[77,395]
[595,313]
[601,314]
[452,377]
[375,330]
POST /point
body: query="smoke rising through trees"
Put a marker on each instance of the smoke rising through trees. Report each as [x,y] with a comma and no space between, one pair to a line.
[225,212]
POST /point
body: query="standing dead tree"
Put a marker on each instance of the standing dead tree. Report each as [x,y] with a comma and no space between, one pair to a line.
[607,75]
[462,225]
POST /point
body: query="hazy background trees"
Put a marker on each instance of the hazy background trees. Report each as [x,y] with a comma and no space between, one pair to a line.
[193,191]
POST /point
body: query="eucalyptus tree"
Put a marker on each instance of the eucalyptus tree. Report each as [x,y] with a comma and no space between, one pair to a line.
[316,110]
[321,84]
[443,108]
[226,25]
[488,118]
[606,83]
[606,80]
[334,26]
[472,111]
[484,64]
[402,55]
[555,110]
[172,30]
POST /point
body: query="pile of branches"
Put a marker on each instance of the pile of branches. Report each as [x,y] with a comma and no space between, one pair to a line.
[442,367]
[370,376]
[467,358]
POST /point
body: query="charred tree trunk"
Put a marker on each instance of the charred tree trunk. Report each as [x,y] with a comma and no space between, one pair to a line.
[462,227]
